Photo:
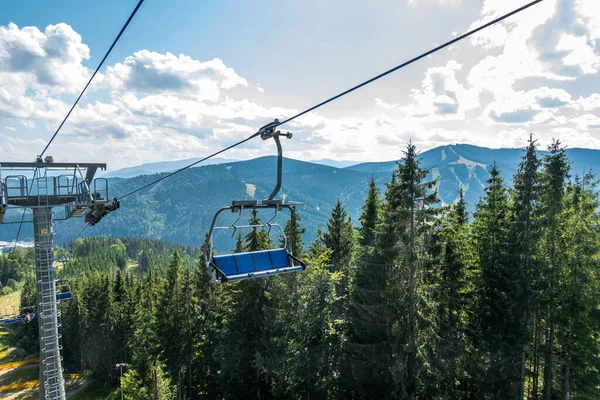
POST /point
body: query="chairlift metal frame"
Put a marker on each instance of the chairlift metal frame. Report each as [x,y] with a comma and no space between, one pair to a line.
[66,295]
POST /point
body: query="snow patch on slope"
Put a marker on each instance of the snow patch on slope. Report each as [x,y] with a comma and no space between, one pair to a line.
[470,164]
[250,189]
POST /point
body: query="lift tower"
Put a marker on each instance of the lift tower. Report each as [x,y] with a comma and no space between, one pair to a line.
[72,187]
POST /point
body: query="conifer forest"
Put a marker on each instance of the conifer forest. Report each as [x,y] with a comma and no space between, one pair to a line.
[416,300]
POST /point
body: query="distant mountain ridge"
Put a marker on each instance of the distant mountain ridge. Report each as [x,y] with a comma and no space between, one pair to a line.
[159,167]
[181,208]
[170,166]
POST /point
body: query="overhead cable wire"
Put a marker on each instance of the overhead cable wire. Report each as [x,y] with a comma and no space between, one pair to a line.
[189,166]
[81,233]
[19,231]
[352,89]
[434,50]
[135,10]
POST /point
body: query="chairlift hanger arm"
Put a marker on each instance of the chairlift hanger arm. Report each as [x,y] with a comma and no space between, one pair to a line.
[267,132]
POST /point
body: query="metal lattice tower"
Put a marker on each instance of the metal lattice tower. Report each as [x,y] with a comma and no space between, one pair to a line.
[78,194]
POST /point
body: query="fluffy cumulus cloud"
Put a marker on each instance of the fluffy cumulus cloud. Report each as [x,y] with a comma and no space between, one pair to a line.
[554,44]
[154,106]
[154,73]
[442,95]
[526,74]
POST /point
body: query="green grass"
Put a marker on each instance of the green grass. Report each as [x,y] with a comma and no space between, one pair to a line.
[98,391]
[20,375]
[6,341]
[134,268]
[9,301]
[9,340]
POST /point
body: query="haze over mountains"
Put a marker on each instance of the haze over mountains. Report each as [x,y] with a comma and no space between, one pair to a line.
[181,208]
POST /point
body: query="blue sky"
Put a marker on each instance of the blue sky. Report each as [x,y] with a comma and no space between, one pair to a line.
[189,77]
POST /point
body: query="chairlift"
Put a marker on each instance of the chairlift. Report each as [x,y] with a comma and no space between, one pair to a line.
[65,293]
[254,264]
[24,316]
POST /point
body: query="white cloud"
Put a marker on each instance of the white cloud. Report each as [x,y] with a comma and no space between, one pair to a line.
[51,59]
[36,67]
[156,106]
[589,13]
[587,122]
[151,72]
[579,53]
[27,123]
[518,26]
[538,106]
[441,95]
[589,103]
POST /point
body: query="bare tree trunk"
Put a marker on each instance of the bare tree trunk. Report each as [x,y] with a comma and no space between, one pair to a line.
[549,361]
[566,377]
[258,391]
[155,383]
[523,360]
[522,377]
[179,386]
[536,358]
[410,368]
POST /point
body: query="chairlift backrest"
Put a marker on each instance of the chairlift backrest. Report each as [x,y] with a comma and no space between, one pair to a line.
[65,294]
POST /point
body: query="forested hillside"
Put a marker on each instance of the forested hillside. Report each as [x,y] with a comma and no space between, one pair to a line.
[418,302]
[180,209]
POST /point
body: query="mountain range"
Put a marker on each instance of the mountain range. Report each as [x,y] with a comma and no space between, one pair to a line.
[170,166]
[181,208]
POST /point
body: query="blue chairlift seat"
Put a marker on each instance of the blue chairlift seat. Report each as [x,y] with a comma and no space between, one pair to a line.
[64,296]
[13,320]
[254,264]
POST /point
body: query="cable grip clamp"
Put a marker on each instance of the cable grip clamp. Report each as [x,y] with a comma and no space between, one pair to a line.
[268,131]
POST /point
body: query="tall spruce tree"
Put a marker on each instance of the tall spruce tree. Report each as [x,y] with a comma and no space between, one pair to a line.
[281,314]
[120,321]
[553,250]
[257,238]
[369,217]
[293,231]
[145,344]
[449,257]
[205,363]
[580,293]
[405,230]
[522,264]
[175,322]
[493,303]
[370,314]
[339,238]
